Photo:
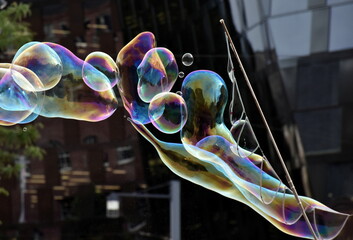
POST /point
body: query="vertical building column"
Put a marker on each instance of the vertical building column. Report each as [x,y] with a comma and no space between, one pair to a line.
[319,30]
[175,210]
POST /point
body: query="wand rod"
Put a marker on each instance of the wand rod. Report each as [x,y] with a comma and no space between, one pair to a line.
[288,177]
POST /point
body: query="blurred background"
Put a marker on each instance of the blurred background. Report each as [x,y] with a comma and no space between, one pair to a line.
[101,181]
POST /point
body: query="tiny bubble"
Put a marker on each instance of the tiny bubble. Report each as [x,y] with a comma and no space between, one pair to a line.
[181,74]
[187,59]
[24,129]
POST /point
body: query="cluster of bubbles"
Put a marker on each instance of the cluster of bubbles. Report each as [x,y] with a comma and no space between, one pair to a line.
[187,59]
[148,75]
[47,79]
[228,161]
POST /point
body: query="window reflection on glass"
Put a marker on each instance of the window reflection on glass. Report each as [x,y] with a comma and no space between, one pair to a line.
[255,37]
[341,24]
[236,15]
[125,155]
[252,12]
[291,35]
[320,137]
[288,6]
[332,2]
[64,160]
[90,139]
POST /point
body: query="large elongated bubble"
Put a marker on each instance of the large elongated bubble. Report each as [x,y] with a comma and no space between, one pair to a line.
[47,79]
[71,97]
[205,94]
[129,58]
[207,157]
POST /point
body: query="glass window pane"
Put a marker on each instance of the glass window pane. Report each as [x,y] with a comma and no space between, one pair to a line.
[332,2]
[291,34]
[266,5]
[287,6]
[320,136]
[317,85]
[252,12]
[236,15]
[255,38]
[341,33]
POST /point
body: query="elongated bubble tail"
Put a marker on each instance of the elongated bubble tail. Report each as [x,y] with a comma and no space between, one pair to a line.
[329,224]
[145,133]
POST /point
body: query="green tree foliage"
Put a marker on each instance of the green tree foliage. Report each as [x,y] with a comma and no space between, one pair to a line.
[13,31]
[16,141]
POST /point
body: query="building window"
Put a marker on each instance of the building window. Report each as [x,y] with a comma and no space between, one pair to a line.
[28,168]
[125,155]
[323,136]
[64,160]
[113,205]
[66,208]
[55,143]
[90,139]
[106,160]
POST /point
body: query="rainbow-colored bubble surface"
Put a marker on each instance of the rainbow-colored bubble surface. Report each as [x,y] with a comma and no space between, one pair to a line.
[47,79]
[168,112]
[99,71]
[157,73]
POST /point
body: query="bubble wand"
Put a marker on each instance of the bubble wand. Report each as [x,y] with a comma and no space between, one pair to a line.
[288,177]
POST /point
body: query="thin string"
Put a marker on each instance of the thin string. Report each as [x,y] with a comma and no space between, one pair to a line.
[288,177]
[235,87]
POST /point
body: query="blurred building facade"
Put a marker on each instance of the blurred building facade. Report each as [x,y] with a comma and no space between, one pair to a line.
[66,192]
[307,48]
[294,56]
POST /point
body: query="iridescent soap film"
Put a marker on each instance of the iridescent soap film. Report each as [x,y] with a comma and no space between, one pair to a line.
[157,73]
[47,79]
[129,58]
[167,112]
[99,71]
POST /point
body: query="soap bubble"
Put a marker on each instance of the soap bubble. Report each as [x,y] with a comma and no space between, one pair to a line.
[16,103]
[43,61]
[246,142]
[99,71]
[187,59]
[181,74]
[167,112]
[128,59]
[157,73]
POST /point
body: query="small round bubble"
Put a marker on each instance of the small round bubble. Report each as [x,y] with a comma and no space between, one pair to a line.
[24,129]
[99,71]
[167,112]
[187,59]
[181,74]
